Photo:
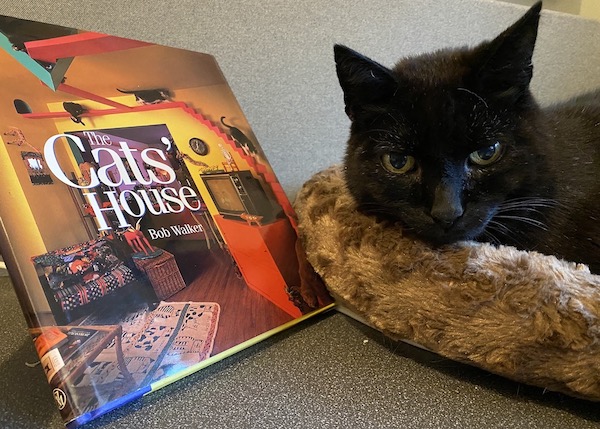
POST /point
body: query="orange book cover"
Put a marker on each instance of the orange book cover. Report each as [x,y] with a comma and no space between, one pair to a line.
[144,230]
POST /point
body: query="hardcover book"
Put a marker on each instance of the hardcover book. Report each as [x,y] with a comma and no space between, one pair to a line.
[144,230]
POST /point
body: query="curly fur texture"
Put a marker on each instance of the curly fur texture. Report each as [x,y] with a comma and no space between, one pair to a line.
[526,316]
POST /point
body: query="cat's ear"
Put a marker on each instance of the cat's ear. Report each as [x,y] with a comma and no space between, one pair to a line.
[505,67]
[363,81]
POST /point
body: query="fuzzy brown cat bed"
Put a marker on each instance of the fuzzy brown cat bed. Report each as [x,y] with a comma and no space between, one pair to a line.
[526,316]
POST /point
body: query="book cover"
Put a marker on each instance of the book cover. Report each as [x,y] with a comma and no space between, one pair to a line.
[142,225]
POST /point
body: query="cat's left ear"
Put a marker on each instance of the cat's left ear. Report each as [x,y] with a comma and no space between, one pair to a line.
[364,82]
[506,69]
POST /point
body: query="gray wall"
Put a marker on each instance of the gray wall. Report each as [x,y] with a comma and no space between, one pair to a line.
[277,55]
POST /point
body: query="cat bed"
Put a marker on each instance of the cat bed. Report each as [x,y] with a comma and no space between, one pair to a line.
[523,315]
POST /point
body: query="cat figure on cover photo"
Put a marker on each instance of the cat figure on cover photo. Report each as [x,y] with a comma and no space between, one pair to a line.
[75,110]
[149,96]
[453,145]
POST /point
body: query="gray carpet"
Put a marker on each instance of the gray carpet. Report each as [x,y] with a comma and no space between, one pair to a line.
[331,372]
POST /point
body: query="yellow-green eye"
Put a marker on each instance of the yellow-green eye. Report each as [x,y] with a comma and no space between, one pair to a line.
[397,163]
[486,156]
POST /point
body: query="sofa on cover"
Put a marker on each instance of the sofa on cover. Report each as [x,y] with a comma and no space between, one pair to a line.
[75,276]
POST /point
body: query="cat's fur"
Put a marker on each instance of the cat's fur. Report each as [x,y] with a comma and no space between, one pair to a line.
[149,96]
[439,110]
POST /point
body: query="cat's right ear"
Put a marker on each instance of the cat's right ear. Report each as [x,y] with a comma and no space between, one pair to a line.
[506,69]
[364,82]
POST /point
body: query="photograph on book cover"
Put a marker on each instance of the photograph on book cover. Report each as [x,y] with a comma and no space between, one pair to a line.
[146,229]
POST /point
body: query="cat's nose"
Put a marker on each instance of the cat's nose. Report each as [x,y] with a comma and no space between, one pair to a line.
[446,208]
[446,218]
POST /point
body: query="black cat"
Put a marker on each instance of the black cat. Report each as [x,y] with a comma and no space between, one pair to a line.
[242,141]
[75,110]
[453,145]
[149,96]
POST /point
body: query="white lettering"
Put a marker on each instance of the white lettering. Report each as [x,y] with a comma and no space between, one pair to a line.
[99,211]
[158,233]
[114,172]
[186,193]
[50,156]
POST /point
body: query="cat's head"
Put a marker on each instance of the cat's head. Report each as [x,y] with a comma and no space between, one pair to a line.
[441,139]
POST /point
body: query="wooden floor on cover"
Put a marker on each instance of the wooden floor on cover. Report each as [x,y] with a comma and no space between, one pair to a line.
[244,313]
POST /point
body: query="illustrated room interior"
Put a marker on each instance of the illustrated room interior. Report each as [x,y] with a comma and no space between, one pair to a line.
[201,200]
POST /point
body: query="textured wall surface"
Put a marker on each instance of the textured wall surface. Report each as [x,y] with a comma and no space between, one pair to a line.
[277,55]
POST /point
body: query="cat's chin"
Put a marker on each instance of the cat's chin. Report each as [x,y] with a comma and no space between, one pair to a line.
[423,227]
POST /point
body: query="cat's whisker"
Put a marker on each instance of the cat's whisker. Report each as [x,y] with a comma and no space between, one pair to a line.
[492,238]
[380,131]
[524,202]
[500,227]
[525,205]
[504,231]
[394,118]
[519,209]
[527,220]
[476,96]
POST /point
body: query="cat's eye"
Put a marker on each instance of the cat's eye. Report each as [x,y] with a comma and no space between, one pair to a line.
[486,156]
[397,163]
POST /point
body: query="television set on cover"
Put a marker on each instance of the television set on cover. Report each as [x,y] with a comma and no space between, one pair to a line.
[238,192]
